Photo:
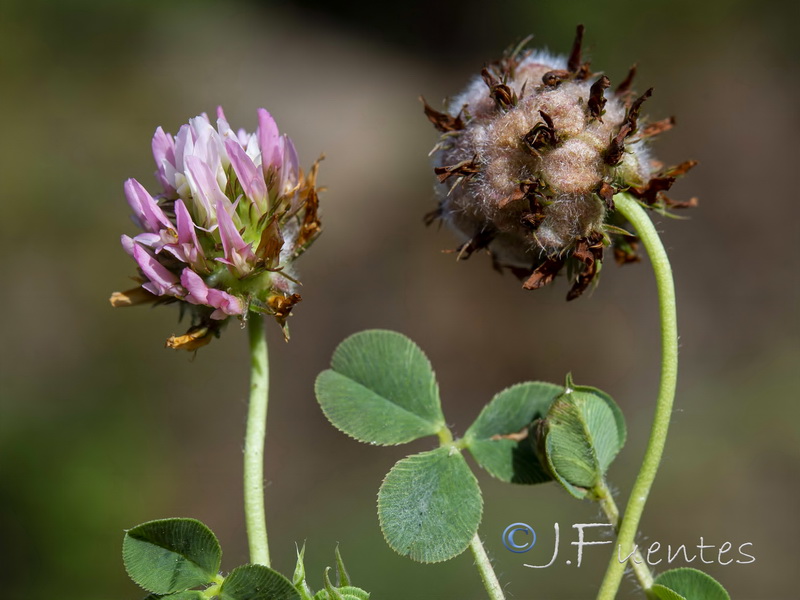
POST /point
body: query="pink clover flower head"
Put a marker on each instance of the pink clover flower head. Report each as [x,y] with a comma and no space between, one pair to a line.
[233,212]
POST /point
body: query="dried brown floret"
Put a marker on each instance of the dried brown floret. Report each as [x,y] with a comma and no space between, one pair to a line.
[574,61]
[544,273]
[442,121]
[465,168]
[625,86]
[597,99]
[503,95]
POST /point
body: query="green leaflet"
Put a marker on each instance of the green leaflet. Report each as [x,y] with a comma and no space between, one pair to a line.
[430,506]
[171,555]
[380,389]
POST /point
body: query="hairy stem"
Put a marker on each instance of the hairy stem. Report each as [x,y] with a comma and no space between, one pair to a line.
[255,437]
[638,564]
[638,218]
[482,561]
[484,565]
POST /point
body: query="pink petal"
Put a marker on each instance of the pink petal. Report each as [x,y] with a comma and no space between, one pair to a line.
[186,231]
[205,190]
[236,250]
[144,207]
[251,178]
[199,293]
[151,240]
[127,244]
[184,244]
[289,167]
[225,303]
[184,146]
[207,144]
[231,240]
[269,140]
[223,127]
[162,281]
[195,286]
[164,154]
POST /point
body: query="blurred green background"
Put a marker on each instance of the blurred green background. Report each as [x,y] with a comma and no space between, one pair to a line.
[102,428]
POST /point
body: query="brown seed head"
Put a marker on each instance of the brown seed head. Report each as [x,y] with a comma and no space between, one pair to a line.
[532,153]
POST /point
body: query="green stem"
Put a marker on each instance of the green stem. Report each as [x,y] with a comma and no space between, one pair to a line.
[638,218]
[484,565]
[255,437]
[606,501]
[482,561]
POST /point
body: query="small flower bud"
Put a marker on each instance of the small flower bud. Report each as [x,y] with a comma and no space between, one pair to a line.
[530,157]
[234,212]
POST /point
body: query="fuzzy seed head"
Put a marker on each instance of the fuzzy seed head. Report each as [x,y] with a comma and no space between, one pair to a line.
[531,154]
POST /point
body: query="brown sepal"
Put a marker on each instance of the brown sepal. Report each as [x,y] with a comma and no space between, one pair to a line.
[632,117]
[627,253]
[649,193]
[516,196]
[443,121]
[466,168]
[311,226]
[584,72]
[520,273]
[615,150]
[533,219]
[690,203]
[681,169]
[652,193]
[531,192]
[281,307]
[433,215]
[606,192]
[503,95]
[657,128]
[269,248]
[613,154]
[541,136]
[544,273]
[590,253]
[479,241]
[597,99]
[625,86]
[512,56]
[574,62]
[530,189]
[553,78]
